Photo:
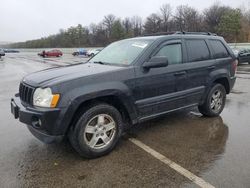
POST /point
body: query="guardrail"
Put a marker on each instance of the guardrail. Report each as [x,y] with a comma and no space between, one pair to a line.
[239,45]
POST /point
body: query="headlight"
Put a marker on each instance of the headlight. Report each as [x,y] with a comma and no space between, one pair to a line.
[45,98]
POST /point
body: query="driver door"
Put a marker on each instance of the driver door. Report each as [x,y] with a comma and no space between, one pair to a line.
[159,90]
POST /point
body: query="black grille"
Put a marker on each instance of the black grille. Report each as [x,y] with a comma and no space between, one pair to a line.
[26,93]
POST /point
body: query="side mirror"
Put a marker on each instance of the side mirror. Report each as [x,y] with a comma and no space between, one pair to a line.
[156,62]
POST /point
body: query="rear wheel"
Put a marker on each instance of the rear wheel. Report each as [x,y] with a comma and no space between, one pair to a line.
[97,131]
[214,102]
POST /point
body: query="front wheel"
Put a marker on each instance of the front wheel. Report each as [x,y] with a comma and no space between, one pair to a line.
[97,131]
[214,102]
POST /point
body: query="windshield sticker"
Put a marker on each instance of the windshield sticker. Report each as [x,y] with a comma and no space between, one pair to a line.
[140,45]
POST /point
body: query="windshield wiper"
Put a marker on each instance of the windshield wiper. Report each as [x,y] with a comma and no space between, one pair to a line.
[104,63]
[100,62]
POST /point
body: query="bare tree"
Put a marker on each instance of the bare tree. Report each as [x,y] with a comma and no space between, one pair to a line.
[192,19]
[232,24]
[108,22]
[152,24]
[136,22]
[127,26]
[187,19]
[213,15]
[165,11]
[179,18]
[92,28]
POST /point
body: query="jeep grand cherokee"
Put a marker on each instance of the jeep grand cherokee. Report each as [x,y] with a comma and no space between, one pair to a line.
[128,82]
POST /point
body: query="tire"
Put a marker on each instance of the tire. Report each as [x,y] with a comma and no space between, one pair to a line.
[214,102]
[92,128]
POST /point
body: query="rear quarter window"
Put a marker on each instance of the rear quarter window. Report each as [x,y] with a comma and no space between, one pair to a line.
[197,50]
[219,49]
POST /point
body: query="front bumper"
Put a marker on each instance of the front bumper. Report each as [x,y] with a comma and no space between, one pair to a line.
[40,122]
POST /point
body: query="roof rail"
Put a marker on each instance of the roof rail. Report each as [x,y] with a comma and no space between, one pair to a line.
[195,33]
[160,33]
[180,33]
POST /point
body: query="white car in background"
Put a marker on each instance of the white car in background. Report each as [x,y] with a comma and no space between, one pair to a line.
[236,52]
[2,53]
[93,52]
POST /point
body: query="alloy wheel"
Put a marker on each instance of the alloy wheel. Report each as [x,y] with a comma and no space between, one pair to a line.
[100,131]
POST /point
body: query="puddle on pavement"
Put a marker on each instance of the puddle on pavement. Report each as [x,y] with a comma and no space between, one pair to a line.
[189,139]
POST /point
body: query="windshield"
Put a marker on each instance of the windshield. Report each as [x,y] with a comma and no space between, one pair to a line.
[123,52]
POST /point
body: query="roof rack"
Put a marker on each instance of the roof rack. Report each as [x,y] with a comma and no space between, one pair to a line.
[160,33]
[180,33]
[195,33]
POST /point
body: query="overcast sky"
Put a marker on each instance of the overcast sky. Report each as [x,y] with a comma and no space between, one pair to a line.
[22,20]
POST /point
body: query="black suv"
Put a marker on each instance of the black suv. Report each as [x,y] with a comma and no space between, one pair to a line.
[128,82]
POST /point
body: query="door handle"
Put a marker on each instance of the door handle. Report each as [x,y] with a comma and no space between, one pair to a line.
[180,73]
[211,67]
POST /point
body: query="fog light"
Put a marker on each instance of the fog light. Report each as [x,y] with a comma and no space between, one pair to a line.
[39,122]
[36,122]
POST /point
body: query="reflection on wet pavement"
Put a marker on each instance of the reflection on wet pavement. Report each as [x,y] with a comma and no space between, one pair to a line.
[191,141]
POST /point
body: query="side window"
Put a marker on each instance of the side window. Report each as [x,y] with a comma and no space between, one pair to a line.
[219,49]
[173,52]
[197,50]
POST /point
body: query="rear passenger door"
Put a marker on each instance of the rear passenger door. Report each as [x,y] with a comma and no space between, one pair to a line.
[198,66]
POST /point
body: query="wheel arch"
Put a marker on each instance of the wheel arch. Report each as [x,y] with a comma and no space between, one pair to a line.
[223,81]
[220,76]
[127,110]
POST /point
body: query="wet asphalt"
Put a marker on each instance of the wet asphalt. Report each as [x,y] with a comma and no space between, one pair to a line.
[215,149]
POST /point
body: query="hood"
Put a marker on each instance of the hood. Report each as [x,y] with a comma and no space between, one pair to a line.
[60,74]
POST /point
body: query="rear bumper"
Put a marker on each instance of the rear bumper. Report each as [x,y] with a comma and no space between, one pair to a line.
[232,82]
[40,122]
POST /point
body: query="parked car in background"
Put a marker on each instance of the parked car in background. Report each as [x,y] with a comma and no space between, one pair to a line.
[236,52]
[244,56]
[51,53]
[11,51]
[2,53]
[81,51]
[93,52]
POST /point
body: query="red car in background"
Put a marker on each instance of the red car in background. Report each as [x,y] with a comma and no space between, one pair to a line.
[51,53]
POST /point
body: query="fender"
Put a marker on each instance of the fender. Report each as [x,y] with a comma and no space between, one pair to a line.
[217,74]
[74,98]
[214,75]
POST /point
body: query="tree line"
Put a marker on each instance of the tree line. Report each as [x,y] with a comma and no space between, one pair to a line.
[231,23]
